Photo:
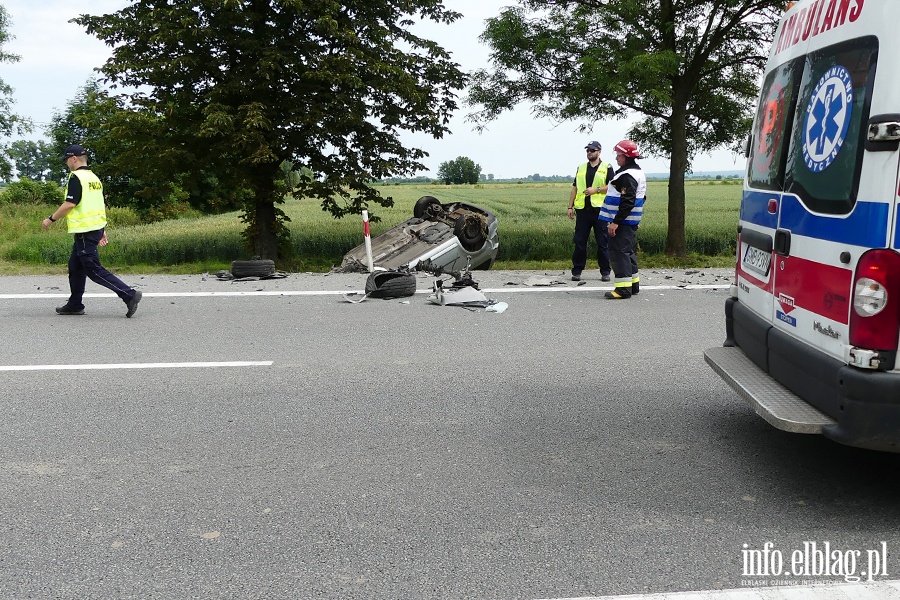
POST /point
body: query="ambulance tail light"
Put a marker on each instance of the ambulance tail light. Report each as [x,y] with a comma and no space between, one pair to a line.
[875,315]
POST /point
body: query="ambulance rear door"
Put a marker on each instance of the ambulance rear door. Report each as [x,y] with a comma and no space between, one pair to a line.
[834,206]
[764,187]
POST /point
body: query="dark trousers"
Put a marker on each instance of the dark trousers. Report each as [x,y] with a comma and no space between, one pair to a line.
[84,262]
[623,255]
[585,221]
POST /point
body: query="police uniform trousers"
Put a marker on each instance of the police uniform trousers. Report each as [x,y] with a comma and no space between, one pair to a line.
[84,262]
[585,221]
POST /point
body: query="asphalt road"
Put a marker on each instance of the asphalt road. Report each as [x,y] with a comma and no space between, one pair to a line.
[567,447]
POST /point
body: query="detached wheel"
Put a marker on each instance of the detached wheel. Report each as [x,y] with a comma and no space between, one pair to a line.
[252,268]
[390,284]
[471,232]
[426,206]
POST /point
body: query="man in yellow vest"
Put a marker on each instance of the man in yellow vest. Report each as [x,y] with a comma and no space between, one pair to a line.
[585,200]
[85,213]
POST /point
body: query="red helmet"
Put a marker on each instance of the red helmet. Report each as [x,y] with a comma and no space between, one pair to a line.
[628,148]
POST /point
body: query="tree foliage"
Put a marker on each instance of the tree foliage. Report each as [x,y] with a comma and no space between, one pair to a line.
[34,160]
[459,170]
[123,155]
[688,68]
[233,88]
[10,123]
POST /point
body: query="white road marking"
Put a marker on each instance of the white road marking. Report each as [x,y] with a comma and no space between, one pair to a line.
[183,365]
[557,288]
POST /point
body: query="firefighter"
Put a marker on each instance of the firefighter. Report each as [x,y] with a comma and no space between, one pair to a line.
[622,210]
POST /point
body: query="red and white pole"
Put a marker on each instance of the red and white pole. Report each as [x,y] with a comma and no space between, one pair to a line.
[368,240]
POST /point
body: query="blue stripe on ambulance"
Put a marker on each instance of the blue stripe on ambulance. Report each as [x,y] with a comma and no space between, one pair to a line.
[866,225]
[754,209]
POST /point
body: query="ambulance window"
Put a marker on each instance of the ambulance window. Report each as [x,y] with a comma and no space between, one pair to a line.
[827,141]
[773,120]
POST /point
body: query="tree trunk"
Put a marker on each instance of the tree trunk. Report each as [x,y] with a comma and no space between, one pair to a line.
[675,240]
[265,222]
[265,243]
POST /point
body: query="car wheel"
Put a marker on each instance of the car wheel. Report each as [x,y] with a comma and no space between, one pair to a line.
[390,284]
[425,206]
[471,232]
[252,268]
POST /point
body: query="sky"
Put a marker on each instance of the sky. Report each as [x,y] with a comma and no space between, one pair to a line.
[58,58]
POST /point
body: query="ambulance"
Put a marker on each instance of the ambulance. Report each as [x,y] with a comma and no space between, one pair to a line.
[813,319]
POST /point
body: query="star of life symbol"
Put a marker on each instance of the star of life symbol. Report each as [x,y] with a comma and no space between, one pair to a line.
[827,118]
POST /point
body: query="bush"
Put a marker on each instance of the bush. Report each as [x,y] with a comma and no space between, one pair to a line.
[28,192]
[122,216]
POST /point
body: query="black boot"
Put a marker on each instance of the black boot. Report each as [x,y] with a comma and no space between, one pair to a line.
[618,293]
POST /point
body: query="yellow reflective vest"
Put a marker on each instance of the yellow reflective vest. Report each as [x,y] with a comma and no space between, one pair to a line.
[581,184]
[90,212]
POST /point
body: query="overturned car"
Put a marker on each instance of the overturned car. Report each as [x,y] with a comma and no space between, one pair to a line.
[439,238]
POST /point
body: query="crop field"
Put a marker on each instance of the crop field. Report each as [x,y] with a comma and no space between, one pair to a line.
[534,230]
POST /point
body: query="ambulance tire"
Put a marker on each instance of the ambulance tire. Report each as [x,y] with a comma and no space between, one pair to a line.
[390,284]
[252,268]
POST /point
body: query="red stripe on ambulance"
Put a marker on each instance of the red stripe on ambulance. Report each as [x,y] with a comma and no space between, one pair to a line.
[812,286]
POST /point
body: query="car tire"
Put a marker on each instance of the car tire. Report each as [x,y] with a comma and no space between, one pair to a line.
[390,284]
[425,206]
[469,229]
[252,268]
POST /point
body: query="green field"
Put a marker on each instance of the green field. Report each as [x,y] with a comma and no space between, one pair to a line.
[534,231]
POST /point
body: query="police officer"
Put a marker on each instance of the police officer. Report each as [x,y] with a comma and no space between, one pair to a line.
[585,199]
[622,211]
[85,213]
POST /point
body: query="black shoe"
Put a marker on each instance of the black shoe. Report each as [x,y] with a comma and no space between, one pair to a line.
[69,310]
[576,276]
[132,303]
[635,288]
[605,277]
[618,294]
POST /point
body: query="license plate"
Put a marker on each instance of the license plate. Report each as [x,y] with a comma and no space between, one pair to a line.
[757,260]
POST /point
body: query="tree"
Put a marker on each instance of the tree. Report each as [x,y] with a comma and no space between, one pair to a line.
[34,160]
[689,68]
[236,87]
[459,170]
[10,123]
[117,138]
